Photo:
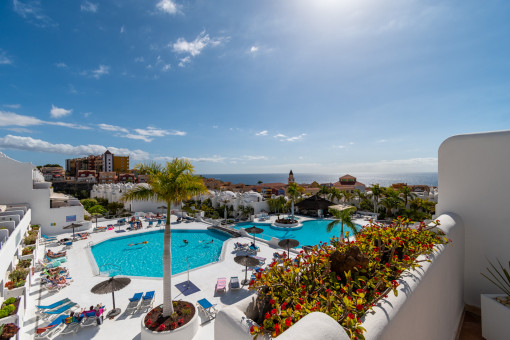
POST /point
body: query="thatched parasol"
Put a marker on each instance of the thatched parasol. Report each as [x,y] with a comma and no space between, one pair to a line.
[287,244]
[72,226]
[246,261]
[254,230]
[111,285]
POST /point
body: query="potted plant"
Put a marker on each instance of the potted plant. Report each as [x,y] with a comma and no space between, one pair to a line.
[8,330]
[496,307]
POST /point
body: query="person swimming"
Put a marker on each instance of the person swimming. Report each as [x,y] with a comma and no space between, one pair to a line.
[135,244]
[185,241]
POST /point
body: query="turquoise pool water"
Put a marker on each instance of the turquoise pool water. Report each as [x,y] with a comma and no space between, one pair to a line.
[312,233]
[116,256]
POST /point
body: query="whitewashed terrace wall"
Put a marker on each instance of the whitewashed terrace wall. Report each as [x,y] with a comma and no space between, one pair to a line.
[474,181]
[429,304]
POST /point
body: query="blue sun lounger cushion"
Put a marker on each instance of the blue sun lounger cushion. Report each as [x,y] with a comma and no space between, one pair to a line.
[136,297]
[55,304]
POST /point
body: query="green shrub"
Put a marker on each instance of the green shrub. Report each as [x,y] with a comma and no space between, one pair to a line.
[18,275]
[30,239]
[35,227]
[24,264]
[3,313]
[9,301]
[322,280]
[27,250]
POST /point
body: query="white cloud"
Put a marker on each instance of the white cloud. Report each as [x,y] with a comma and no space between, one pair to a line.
[72,89]
[33,13]
[254,49]
[351,143]
[382,141]
[212,159]
[89,7]
[12,106]
[4,60]
[184,61]
[101,71]
[122,29]
[139,137]
[20,130]
[195,47]
[14,119]
[255,158]
[262,133]
[339,146]
[61,65]
[284,138]
[139,60]
[115,128]
[167,6]
[57,112]
[31,144]
[166,67]
[215,126]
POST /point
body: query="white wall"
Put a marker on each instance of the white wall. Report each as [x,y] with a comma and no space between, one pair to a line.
[474,181]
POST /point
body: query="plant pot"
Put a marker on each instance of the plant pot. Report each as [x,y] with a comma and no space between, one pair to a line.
[15,292]
[185,332]
[495,318]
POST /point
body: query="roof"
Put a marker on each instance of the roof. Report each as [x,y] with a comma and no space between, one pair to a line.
[351,185]
[314,203]
[348,177]
[341,207]
[290,173]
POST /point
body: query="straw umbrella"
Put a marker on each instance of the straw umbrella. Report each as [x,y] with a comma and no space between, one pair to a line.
[246,261]
[254,230]
[287,244]
[111,285]
[72,226]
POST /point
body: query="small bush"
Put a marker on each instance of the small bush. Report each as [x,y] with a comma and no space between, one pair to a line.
[9,301]
[27,250]
[30,239]
[22,264]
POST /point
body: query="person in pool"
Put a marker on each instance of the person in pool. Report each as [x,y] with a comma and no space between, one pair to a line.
[135,244]
[185,241]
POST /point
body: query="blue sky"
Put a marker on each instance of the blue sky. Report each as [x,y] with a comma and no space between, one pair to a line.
[324,86]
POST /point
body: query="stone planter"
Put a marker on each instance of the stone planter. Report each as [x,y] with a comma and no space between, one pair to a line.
[495,318]
[185,332]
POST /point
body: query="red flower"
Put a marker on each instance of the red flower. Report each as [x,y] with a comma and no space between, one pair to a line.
[359,307]
[284,305]
[298,306]
[252,329]
[350,316]
[271,301]
[180,321]
[288,321]
[359,291]
[273,311]
[162,327]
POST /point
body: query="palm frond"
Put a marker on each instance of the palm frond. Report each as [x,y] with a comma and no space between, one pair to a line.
[141,193]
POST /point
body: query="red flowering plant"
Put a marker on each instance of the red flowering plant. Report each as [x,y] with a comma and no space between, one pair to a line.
[344,278]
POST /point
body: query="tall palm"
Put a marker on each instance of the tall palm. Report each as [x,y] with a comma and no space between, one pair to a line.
[359,194]
[391,203]
[171,183]
[294,191]
[324,191]
[335,194]
[347,196]
[376,193]
[407,193]
[344,217]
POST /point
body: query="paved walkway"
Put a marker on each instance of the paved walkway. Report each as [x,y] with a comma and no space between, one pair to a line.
[127,326]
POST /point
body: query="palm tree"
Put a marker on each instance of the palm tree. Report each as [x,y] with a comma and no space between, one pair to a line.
[324,191]
[344,218]
[335,194]
[407,193]
[376,193]
[347,196]
[172,183]
[360,195]
[294,191]
[390,203]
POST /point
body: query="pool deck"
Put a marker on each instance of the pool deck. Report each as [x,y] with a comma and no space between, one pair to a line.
[127,326]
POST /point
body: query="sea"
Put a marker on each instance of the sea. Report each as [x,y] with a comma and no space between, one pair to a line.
[383,179]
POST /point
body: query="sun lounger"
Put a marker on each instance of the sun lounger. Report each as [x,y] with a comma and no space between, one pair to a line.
[48,239]
[51,329]
[234,283]
[262,260]
[147,300]
[52,306]
[208,308]
[133,302]
[71,325]
[240,246]
[60,310]
[221,284]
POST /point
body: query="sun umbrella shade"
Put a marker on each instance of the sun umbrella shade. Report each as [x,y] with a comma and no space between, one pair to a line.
[246,261]
[254,230]
[111,285]
[288,243]
[72,226]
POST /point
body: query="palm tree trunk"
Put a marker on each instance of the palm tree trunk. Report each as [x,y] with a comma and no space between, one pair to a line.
[292,210]
[168,308]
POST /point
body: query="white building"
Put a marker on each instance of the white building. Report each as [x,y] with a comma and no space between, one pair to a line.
[22,183]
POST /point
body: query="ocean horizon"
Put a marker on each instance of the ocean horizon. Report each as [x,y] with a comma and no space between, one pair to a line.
[383,179]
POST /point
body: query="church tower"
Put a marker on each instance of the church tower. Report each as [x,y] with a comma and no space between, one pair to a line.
[291,177]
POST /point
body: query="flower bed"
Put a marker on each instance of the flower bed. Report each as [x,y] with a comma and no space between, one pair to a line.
[183,313]
[341,279]
[27,250]
[286,221]
[9,330]
[9,307]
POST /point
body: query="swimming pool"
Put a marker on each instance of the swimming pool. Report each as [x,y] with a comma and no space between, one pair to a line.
[312,232]
[116,255]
